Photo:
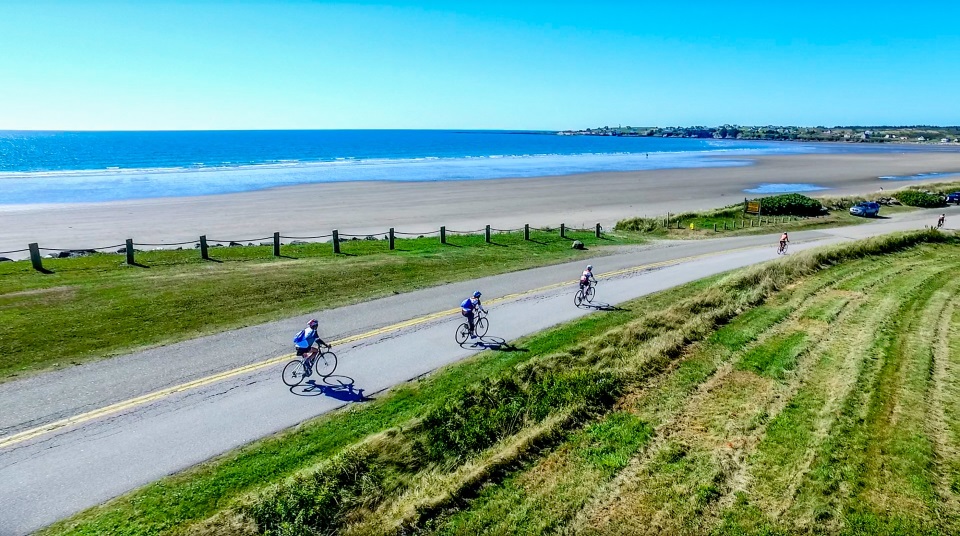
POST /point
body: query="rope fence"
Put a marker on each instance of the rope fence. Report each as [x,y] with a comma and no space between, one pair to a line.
[336,237]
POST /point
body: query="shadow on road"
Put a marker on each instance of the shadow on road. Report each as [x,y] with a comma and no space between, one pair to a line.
[600,306]
[488,342]
[334,386]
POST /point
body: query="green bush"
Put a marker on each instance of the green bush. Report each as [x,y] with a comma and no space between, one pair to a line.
[316,503]
[643,225]
[790,205]
[916,198]
[493,409]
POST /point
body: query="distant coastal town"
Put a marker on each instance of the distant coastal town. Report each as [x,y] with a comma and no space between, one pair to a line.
[854,134]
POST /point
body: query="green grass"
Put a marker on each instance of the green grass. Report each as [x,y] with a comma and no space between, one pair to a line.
[100,307]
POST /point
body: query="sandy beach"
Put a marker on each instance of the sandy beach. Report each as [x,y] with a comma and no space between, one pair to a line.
[415,207]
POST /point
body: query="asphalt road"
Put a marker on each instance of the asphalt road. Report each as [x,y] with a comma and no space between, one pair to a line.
[76,437]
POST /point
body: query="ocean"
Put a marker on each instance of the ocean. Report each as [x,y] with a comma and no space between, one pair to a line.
[69,167]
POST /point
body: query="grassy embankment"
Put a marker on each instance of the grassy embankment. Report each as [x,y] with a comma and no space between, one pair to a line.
[789,397]
[731,220]
[100,307]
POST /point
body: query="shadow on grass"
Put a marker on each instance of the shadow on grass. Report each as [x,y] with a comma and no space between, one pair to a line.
[138,265]
[211,259]
[334,386]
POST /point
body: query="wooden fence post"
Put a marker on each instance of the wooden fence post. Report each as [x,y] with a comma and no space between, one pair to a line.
[276,244]
[35,259]
[336,241]
[443,234]
[526,231]
[563,231]
[486,234]
[598,230]
[392,238]
[714,227]
[204,253]
[129,251]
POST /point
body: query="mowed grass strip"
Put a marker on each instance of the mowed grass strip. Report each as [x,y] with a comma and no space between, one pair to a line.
[99,307]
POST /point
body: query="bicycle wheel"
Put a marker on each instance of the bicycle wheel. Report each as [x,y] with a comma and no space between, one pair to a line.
[325,363]
[463,333]
[784,250]
[294,373]
[482,326]
[588,295]
[578,298]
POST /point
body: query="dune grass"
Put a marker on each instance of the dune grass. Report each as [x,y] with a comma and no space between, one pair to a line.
[777,399]
[99,307]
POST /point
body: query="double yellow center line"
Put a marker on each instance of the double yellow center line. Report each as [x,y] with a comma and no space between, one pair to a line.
[200,382]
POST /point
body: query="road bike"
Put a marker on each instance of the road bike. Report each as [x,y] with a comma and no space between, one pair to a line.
[480,325]
[782,248]
[584,294]
[324,363]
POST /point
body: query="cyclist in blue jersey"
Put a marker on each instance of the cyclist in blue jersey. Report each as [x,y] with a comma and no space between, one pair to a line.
[304,343]
[467,308]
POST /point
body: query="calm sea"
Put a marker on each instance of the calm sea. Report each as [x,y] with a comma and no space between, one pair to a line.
[62,167]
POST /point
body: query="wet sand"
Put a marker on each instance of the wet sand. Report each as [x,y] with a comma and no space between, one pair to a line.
[366,208]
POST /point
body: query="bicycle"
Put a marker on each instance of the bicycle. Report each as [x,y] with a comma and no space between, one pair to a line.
[584,294]
[480,325]
[324,363]
[782,248]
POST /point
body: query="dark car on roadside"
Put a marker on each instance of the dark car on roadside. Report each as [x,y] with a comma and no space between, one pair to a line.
[867,209]
[953,198]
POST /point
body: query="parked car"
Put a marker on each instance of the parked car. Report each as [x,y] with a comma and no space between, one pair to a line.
[953,198]
[866,209]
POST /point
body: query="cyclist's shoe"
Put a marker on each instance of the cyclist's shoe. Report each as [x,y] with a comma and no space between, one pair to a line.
[473,335]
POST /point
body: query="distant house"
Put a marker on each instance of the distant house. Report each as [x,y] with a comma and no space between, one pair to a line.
[864,135]
[944,140]
[921,138]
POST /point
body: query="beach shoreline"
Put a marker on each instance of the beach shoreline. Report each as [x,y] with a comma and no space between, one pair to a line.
[370,207]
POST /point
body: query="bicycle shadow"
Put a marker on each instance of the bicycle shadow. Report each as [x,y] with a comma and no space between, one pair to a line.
[600,306]
[488,342]
[334,386]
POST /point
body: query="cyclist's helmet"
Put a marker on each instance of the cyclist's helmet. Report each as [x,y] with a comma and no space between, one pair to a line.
[313,323]
[476,294]
[589,267]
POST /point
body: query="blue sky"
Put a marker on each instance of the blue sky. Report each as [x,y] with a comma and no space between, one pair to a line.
[486,65]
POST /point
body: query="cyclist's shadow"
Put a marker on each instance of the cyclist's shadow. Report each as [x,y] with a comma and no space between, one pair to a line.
[488,342]
[600,306]
[335,386]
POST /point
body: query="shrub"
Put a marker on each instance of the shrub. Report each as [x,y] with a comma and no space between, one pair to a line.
[790,205]
[491,410]
[644,225]
[916,198]
[315,503]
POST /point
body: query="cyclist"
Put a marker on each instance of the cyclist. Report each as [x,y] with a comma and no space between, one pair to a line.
[304,343]
[941,220]
[783,241]
[586,277]
[467,308]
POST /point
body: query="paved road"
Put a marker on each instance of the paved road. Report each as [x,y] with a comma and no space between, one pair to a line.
[85,434]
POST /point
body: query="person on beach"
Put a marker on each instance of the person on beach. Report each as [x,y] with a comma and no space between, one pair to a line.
[586,277]
[304,343]
[467,309]
[940,221]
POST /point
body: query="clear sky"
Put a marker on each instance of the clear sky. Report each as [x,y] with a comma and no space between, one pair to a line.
[146,65]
